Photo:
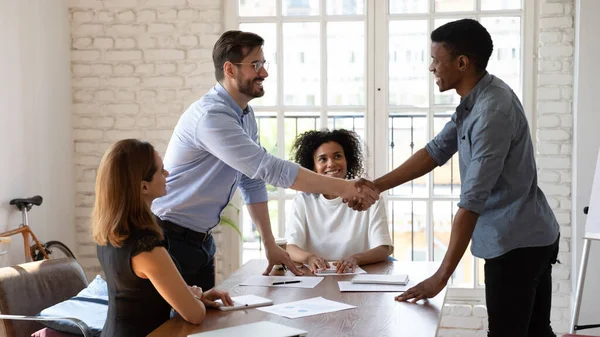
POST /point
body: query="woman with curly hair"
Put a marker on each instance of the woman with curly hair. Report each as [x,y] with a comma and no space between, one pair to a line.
[321,228]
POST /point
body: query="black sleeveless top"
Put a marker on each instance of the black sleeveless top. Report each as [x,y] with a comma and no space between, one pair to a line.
[135,308]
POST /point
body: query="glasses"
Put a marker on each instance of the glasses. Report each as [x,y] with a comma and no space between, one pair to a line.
[258,65]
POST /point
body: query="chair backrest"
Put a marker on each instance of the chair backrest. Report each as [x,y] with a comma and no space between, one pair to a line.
[27,289]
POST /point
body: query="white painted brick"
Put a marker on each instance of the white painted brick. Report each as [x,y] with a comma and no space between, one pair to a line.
[480,311]
[101,69]
[554,107]
[87,4]
[123,55]
[548,121]
[144,95]
[88,30]
[566,149]
[81,69]
[166,41]
[122,82]
[569,6]
[567,65]
[125,122]
[461,322]
[548,93]
[556,314]
[85,55]
[565,287]
[84,147]
[163,81]
[203,28]
[199,54]
[145,68]
[82,43]
[82,96]
[124,43]
[125,29]
[208,40]
[168,122]
[186,68]
[164,54]
[566,93]
[166,95]
[87,134]
[162,3]
[204,4]
[126,16]
[187,14]
[86,109]
[548,176]
[549,65]
[145,121]
[124,95]
[166,15]
[166,68]
[123,108]
[210,16]
[560,301]
[565,232]
[556,51]
[159,28]
[85,122]
[84,211]
[556,22]
[145,42]
[188,40]
[103,42]
[116,135]
[560,273]
[85,187]
[554,189]
[120,3]
[563,218]
[550,37]
[564,246]
[461,310]
[566,177]
[123,69]
[552,9]
[104,17]
[555,79]
[554,203]
[456,333]
[566,121]
[104,95]
[566,204]
[146,15]
[553,135]
[86,250]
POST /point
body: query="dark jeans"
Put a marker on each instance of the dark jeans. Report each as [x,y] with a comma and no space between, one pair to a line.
[518,292]
[195,259]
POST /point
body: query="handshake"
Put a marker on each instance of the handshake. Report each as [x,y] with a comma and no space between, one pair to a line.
[360,194]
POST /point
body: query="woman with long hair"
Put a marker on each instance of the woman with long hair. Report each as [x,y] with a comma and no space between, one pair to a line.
[143,281]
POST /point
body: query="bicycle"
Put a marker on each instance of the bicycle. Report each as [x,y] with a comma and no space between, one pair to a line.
[35,251]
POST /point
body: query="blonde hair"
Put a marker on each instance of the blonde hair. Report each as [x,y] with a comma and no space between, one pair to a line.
[119,207]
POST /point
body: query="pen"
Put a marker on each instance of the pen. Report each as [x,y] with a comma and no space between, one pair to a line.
[284,282]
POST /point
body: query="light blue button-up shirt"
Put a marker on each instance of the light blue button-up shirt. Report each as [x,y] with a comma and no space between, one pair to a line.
[497,170]
[214,149]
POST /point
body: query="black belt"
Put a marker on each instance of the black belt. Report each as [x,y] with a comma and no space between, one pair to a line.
[188,234]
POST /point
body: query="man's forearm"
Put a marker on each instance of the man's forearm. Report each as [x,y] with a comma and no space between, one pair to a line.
[298,254]
[417,165]
[259,213]
[462,231]
[377,254]
[311,182]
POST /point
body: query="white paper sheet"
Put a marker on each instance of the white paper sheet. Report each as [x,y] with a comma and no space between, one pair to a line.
[267,281]
[358,287]
[331,271]
[308,307]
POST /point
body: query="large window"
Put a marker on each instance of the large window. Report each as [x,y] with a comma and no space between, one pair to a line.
[363,65]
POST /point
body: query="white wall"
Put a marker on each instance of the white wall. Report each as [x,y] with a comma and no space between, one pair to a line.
[587,143]
[36,145]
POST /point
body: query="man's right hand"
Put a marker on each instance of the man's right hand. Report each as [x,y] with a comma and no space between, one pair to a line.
[316,263]
[363,185]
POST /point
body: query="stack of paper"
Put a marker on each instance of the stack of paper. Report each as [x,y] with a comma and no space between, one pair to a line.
[400,279]
[245,302]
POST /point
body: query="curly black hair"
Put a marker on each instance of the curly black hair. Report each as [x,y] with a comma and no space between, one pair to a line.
[466,37]
[305,145]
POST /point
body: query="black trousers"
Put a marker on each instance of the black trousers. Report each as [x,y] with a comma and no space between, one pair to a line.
[518,292]
[195,258]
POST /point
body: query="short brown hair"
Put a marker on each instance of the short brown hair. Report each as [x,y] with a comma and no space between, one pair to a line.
[233,46]
[119,207]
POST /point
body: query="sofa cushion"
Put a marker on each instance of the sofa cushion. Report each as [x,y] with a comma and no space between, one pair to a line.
[90,306]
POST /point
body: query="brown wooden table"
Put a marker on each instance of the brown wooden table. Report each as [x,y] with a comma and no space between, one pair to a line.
[376,314]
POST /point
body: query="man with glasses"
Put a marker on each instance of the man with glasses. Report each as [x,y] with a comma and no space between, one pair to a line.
[214,149]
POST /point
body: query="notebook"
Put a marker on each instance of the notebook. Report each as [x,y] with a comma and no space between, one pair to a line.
[400,279]
[262,329]
[245,302]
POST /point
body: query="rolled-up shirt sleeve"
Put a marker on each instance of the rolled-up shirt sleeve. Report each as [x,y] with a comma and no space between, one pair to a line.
[444,145]
[219,132]
[253,190]
[490,140]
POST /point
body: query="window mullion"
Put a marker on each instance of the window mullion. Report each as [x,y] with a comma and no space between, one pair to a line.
[323,65]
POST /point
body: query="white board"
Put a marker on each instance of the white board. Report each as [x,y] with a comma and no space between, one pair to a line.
[592,225]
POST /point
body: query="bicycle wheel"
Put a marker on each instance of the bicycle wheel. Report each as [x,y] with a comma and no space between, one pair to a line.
[54,249]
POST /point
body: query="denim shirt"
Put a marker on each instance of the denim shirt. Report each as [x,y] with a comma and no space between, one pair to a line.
[213,150]
[497,170]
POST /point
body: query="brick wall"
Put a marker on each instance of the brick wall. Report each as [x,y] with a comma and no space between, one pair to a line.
[553,127]
[136,66]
